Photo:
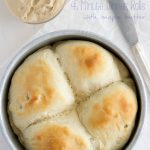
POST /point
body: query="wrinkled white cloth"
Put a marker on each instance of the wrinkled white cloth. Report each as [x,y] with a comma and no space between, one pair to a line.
[95,16]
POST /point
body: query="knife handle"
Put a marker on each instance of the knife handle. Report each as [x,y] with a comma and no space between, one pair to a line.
[142,63]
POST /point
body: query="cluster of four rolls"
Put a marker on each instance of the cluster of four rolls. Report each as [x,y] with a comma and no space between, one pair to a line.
[72,99]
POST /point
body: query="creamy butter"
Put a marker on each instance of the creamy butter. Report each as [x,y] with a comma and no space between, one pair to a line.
[35,11]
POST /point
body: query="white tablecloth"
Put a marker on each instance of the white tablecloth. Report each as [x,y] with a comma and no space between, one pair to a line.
[88,15]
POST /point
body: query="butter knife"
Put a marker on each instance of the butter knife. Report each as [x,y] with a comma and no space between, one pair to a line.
[127,27]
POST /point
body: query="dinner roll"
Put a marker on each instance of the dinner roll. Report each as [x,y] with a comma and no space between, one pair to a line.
[131,83]
[123,70]
[38,89]
[61,133]
[87,65]
[109,115]
[44,113]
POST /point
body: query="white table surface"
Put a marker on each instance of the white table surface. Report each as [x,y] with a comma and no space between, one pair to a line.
[14,34]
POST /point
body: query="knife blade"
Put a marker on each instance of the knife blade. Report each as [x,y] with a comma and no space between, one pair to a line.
[127,27]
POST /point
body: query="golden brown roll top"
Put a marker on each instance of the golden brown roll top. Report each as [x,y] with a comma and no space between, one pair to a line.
[38,89]
[65,132]
[87,65]
[109,115]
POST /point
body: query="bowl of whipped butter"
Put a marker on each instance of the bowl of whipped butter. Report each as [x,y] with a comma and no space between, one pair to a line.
[35,11]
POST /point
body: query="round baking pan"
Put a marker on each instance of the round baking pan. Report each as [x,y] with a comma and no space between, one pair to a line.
[49,39]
